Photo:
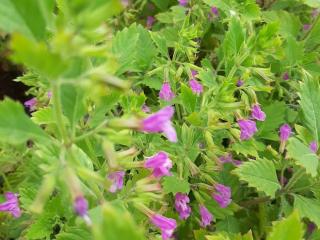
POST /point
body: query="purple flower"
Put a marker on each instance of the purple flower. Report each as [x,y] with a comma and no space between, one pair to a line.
[31,104]
[145,108]
[257,113]
[311,227]
[206,216]
[222,195]
[183,2]
[11,205]
[240,83]
[285,76]
[225,159]
[49,94]
[165,92]
[181,205]
[248,128]
[166,225]
[160,122]
[306,27]
[80,206]
[315,13]
[117,181]
[313,146]
[194,73]
[196,87]
[160,164]
[150,21]
[285,132]
[215,11]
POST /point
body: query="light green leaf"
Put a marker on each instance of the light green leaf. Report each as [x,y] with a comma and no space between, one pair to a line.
[312,3]
[290,228]
[293,50]
[308,208]
[260,174]
[310,105]
[73,106]
[303,156]
[74,233]
[188,98]
[37,57]
[248,148]
[43,116]
[15,126]
[114,224]
[29,18]
[233,38]
[174,185]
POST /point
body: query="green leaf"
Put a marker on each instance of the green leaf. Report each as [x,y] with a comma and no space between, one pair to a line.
[114,224]
[308,208]
[287,229]
[275,114]
[312,3]
[37,57]
[43,116]
[15,126]
[260,174]
[174,185]
[74,233]
[248,148]
[312,40]
[293,50]
[188,98]
[134,49]
[233,38]
[310,105]
[303,156]
[162,4]
[29,18]
[73,106]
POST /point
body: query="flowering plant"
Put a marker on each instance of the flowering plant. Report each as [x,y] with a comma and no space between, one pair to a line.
[161,119]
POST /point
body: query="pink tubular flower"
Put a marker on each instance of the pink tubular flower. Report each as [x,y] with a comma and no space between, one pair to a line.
[248,128]
[285,76]
[306,27]
[215,11]
[183,2]
[166,225]
[117,181]
[31,104]
[11,205]
[313,146]
[160,122]
[226,158]
[150,21]
[181,205]
[80,206]
[196,87]
[240,83]
[206,216]
[160,164]
[49,94]
[222,195]
[257,113]
[285,132]
[194,73]
[166,92]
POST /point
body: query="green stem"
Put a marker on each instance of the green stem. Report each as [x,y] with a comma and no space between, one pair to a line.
[58,112]
[262,219]
[294,179]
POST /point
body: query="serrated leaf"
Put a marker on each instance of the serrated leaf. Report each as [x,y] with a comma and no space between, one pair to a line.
[15,16]
[174,185]
[293,50]
[43,116]
[15,126]
[303,156]
[233,38]
[260,174]
[74,233]
[275,113]
[188,98]
[248,148]
[310,105]
[72,100]
[308,208]
[287,229]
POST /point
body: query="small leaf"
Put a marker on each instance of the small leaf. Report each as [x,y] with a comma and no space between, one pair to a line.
[303,156]
[188,98]
[260,174]
[290,228]
[174,185]
[308,208]
[15,126]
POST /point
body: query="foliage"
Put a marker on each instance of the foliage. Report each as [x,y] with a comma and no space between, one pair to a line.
[95,71]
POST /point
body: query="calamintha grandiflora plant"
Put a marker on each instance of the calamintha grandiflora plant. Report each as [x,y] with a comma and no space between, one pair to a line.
[161,119]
